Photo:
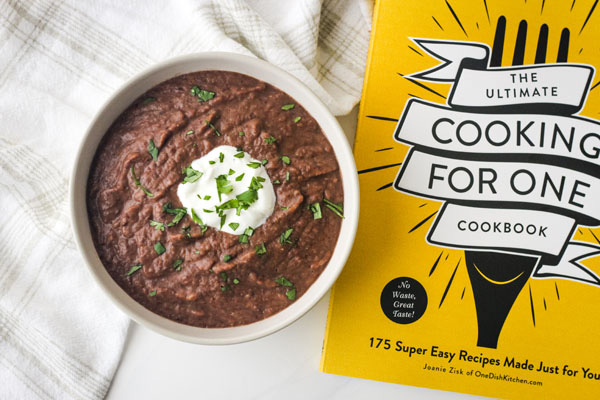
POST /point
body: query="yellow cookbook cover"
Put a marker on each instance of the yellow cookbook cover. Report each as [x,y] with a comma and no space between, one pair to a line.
[475,267]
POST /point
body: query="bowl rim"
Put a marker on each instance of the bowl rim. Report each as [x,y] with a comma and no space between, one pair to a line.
[85,153]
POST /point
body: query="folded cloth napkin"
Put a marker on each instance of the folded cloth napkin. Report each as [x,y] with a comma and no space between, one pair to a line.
[59,60]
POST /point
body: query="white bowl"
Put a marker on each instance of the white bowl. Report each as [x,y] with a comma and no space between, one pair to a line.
[120,101]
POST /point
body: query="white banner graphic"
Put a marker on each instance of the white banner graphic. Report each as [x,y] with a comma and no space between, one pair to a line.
[537,185]
[558,88]
[557,84]
[502,229]
[440,128]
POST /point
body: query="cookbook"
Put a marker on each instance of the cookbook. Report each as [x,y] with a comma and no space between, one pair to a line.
[476,263]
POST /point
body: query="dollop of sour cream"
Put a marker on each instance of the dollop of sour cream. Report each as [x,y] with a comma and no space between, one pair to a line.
[227,190]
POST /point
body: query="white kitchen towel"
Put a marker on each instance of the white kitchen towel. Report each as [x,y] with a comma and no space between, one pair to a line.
[59,60]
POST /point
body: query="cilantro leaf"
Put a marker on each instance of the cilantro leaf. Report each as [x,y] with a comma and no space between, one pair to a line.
[285,237]
[139,184]
[261,249]
[247,233]
[336,208]
[179,213]
[159,248]
[196,218]
[316,210]
[134,269]
[283,281]
[223,185]
[214,128]
[191,175]
[201,94]
[177,264]
[291,294]
[159,226]
[288,107]
[153,150]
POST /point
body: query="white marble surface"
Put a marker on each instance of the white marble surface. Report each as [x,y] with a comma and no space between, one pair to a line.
[284,365]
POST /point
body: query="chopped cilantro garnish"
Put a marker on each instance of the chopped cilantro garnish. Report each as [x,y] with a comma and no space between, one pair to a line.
[247,233]
[223,218]
[255,183]
[287,107]
[134,269]
[254,164]
[236,281]
[226,258]
[204,228]
[239,178]
[139,184]
[234,225]
[159,248]
[208,211]
[285,237]
[179,213]
[197,252]
[190,132]
[264,162]
[213,128]
[284,208]
[287,176]
[224,288]
[231,172]
[316,210]
[152,150]
[261,249]
[148,100]
[239,155]
[241,134]
[270,140]
[277,182]
[249,196]
[297,119]
[152,293]
[211,162]
[283,281]
[223,185]
[221,157]
[196,218]
[207,197]
[186,231]
[291,294]
[201,94]
[286,160]
[191,175]
[177,264]
[336,208]
[159,226]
